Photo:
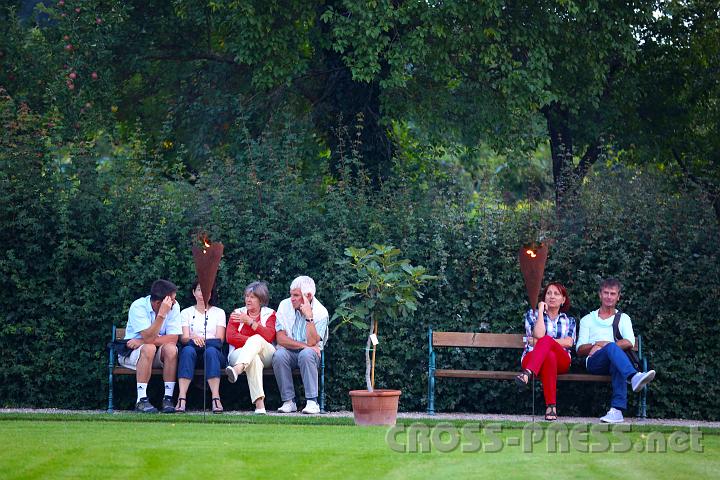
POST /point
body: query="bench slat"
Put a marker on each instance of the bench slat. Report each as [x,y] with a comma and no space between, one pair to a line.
[482,340]
[498,375]
[198,373]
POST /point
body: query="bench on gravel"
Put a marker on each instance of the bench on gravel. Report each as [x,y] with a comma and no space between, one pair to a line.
[503,340]
[115,369]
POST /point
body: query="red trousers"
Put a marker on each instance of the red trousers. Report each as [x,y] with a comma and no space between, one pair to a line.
[546,361]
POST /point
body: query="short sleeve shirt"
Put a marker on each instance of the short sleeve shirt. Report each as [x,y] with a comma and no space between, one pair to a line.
[141,316]
[195,321]
[561,327]
[294,324]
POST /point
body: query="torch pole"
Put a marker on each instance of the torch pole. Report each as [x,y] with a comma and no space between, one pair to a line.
[205,366]
[372,379]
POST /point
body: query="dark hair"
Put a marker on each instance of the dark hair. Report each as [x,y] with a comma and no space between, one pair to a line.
[611,283]
[161,289]
[213,292]
[563,291]
[260,290]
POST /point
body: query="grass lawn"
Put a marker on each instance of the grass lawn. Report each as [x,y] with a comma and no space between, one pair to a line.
[130,446]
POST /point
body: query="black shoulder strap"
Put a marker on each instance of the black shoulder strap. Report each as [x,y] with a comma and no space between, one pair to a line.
[616,326]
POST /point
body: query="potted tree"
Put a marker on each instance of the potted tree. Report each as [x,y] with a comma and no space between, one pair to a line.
[385,286]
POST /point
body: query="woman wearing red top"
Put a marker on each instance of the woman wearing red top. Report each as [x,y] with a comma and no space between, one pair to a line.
[251,333]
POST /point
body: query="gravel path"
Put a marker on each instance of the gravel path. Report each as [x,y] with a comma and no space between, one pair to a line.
[421,415]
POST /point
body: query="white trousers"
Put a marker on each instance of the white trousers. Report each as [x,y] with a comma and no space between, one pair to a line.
[256,354]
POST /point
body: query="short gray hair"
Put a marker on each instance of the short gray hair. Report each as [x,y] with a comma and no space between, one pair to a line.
[305,284]
[260,290]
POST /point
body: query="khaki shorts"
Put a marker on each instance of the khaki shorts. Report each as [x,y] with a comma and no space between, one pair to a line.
[131,360]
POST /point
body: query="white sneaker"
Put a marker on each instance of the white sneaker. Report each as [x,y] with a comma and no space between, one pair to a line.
[312,407]
[288,407]
[613,416]
[231,374]
[640,379]
[260,411]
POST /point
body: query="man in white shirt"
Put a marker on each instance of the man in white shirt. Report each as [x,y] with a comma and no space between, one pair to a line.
[605,356]
[302,328]
[152,333]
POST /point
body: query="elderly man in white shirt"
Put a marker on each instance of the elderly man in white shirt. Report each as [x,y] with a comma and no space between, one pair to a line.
[302,328]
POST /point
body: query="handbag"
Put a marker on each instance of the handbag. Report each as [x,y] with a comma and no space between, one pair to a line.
[120,347]
[632,356]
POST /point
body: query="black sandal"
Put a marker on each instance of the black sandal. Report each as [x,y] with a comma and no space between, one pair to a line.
[551,412]
[523,380]
[180,407]
[216,405]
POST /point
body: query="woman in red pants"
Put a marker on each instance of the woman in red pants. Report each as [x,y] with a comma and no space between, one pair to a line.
[548,343]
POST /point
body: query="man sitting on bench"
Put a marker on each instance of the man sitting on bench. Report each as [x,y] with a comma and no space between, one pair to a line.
[606,355]
[152,333]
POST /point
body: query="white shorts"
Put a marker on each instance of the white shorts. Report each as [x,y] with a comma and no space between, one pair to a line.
[131,360]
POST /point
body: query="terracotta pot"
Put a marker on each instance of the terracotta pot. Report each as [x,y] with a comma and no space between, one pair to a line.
[378,407]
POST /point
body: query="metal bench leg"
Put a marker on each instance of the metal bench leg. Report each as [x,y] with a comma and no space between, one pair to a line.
[322,381]
[431,376]
[111,362]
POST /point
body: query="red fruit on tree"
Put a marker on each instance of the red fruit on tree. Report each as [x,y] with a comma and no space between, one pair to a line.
[94,75]
[98,20]
[73,75]
[66,37]
[61,3]
[77,10]
[68,47]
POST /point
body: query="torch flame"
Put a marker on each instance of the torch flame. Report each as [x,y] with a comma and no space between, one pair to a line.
[205,243]
[531,253]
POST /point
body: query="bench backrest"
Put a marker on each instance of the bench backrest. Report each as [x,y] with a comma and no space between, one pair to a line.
[486,340]
[482,340]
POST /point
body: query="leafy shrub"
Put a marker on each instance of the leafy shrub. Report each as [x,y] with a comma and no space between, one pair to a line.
[87,227]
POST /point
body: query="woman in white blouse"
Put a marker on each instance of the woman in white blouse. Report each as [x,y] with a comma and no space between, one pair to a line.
[203,331]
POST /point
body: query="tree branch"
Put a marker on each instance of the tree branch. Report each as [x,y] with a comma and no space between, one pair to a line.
[210,56]
[700,182]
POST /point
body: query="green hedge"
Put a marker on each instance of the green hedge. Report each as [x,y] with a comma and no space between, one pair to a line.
[82,238]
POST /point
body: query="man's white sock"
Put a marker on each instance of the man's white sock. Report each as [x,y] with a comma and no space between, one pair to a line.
[169,389]
[141,391]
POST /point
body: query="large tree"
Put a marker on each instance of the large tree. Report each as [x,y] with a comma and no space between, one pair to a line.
[509,74]
[676,122]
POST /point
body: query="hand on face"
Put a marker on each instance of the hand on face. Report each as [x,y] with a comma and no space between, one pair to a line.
[305,307]
[165,306]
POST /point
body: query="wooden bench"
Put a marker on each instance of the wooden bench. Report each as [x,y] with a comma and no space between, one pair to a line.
[115,369]
[503,340]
